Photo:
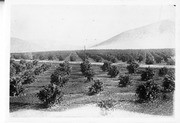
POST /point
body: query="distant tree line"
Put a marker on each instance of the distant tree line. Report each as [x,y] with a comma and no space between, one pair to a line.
[148,56]
[53,55]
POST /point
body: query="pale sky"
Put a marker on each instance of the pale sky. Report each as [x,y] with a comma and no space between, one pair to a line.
[54,26]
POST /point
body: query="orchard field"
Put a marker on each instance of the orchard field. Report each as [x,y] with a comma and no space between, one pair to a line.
[147,56]
[95,85]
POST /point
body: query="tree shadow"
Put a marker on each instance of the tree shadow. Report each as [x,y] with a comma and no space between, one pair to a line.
[15,106]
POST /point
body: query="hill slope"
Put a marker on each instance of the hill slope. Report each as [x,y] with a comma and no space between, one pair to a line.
[19,45]
[156,35]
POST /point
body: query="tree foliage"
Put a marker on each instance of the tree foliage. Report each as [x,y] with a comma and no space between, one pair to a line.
[106,66]
[95,88]
[124,81]
[22,61]
[153,55]
[87,70]
[50,57]
[12,61]
[147,74]
[89,74]
[29,65]
[85,65]
[28,77]
[50,95]
[45,66]
[163,71]
[35,62]
[42,68]
[59,79]
[106,104]
[170,61]
[60,58]
[18,67]
[132,67]
[168,84]
[113,71]
[16,86]
[149,60]
[12,71]
[147,91]
[61,75]
[65,67]
[140,58]
[72,58]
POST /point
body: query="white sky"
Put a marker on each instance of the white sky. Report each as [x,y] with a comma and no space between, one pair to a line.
[80,24]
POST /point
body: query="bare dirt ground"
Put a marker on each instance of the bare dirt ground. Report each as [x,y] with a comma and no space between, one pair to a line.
[90,110]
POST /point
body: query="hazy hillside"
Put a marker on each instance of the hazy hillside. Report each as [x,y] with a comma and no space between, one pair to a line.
[19,45]
[156,35]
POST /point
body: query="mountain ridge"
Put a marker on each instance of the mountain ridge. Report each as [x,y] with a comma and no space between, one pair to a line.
[159,31]
[20,45]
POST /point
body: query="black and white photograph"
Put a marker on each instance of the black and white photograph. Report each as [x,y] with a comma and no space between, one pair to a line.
[92,60]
